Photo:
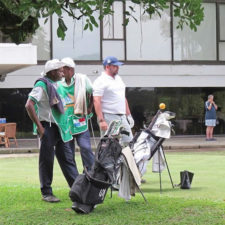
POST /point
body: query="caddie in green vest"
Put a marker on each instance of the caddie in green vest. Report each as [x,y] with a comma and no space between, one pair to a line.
[45,108]
[75,91]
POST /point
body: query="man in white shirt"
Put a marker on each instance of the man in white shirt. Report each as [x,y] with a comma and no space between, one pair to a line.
[109,99]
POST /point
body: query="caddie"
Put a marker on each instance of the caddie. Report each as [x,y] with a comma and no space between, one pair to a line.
[45,109]
[75,90]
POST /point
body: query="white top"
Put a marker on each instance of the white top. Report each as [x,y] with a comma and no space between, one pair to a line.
[112,91]
[42,100]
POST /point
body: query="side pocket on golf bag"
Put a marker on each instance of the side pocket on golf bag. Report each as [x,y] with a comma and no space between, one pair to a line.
[87,190]
[186,178]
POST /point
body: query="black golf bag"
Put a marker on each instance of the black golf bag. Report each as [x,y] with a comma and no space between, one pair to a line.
[90,188]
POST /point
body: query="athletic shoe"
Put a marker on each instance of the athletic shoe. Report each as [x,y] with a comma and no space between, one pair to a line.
[50,198]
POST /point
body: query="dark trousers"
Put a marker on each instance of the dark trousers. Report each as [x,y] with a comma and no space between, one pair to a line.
[51,145]
[84,142]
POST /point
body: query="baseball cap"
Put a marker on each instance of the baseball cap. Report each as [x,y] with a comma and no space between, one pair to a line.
[111,60]
[53,64]
[68,62]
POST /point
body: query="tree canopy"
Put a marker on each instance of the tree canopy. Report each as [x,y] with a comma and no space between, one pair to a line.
[19,18]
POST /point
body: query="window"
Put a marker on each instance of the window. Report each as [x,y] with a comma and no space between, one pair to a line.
[200,45]
[115,48]
[112,24]
[78,44]
[222,32]
[113,42]
[148,39]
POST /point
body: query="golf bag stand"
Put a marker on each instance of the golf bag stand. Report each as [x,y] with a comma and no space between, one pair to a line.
[156,148]
[160,179]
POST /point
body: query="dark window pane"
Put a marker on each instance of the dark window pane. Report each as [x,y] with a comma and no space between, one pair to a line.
[187,103]
[12,107]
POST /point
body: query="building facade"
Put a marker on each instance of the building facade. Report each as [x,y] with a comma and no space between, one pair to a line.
[162,64]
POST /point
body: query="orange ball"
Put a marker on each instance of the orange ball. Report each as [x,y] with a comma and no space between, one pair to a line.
[162,106]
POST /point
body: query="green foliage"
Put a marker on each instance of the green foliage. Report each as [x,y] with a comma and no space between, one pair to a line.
[19,18]
[190,13]
[17,26]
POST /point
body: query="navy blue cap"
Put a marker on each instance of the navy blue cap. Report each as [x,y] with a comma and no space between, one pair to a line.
[111,60]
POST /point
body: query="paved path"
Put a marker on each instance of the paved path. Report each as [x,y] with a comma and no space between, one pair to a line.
[175,143]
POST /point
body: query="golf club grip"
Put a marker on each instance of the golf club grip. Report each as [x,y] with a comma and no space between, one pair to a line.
[125,132]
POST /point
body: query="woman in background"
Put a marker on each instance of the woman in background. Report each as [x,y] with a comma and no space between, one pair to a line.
[210,117]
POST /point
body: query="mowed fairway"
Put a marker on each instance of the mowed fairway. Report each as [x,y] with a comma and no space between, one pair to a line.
[204,203]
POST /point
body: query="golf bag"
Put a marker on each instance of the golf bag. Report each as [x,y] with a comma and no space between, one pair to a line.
[90,188]
[147,144]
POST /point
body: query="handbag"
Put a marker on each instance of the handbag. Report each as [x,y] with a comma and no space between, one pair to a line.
[186,178]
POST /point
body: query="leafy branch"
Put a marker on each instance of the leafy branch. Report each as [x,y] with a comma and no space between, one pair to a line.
[19,18]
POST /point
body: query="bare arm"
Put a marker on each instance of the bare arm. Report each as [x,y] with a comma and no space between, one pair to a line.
[98,110]
[211,104]
[127,108]
[90,105]
[216,107]
[33,116]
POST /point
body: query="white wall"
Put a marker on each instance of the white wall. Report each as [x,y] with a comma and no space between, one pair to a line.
[136,75]
[14,57]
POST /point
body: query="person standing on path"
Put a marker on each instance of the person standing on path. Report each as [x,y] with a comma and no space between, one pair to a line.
[109,99]
[210,117]
[45,109]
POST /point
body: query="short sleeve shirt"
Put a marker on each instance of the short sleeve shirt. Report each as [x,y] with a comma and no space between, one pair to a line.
[112,91]
[40,97]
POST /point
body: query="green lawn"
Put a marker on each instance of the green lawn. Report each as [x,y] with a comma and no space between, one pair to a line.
[20,198]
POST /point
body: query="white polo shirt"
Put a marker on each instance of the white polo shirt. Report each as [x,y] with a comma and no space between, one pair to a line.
[112,91]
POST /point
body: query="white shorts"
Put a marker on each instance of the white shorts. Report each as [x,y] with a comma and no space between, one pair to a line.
[210,123]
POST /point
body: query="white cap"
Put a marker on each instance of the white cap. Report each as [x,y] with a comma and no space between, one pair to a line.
[53,64]
[68,62]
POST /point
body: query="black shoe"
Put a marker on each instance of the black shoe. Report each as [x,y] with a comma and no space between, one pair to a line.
[50,198]
[213,139]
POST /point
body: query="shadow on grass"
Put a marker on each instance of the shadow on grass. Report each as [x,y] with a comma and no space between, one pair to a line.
[176,189]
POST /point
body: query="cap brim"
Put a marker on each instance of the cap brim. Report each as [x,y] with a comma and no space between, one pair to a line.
[56,66]
[117,64]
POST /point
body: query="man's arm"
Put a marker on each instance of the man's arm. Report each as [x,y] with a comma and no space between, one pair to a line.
[90,103]
[33,116]
[129,116]
[127,108]
[98,110]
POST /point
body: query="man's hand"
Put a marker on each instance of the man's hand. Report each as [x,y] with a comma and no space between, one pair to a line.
[41,131]
[103,125]
[130,121]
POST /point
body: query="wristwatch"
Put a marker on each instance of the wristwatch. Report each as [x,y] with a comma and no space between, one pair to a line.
[101,120]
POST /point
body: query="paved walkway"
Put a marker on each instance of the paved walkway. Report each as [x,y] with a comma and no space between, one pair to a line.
[175,143]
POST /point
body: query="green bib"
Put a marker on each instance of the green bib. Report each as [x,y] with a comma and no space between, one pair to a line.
[61,120]
[77,123]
